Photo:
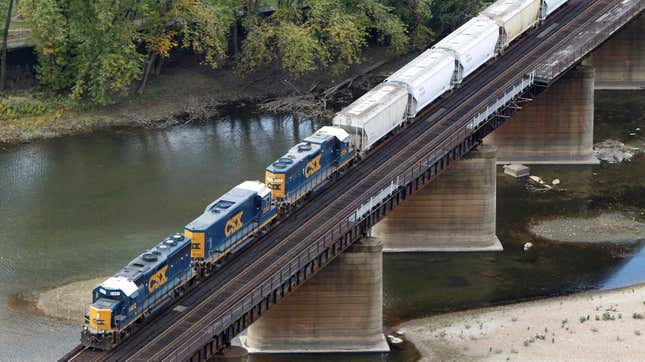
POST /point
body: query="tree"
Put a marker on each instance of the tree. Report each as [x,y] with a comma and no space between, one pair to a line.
[87,47]
[6,9]
[447,15]
[105,57]
[327,33]
[197,25]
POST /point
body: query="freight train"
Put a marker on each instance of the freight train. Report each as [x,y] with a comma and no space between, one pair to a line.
[157,276]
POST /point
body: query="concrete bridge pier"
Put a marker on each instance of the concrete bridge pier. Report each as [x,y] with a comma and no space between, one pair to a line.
[555,128]
[620,62]
[339,310]
[456,212]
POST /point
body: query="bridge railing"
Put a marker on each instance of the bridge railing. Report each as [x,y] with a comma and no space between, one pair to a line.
[502,101]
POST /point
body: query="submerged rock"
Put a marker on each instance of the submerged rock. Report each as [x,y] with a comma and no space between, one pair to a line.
[613,151]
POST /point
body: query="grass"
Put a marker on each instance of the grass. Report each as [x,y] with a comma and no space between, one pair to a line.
[20,104]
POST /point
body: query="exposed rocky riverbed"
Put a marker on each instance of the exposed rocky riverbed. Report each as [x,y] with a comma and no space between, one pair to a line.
[607,227]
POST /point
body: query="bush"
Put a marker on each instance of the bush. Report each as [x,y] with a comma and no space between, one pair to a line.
[16,106]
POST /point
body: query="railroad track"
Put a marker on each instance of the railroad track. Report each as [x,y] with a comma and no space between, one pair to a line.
[221,290]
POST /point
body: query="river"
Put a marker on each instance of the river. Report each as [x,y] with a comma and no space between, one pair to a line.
[80,207]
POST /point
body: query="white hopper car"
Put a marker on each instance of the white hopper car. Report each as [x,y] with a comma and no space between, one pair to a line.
[426,78]
[472,45]
[549,6]
[439,69]
[374,115]
[514,17]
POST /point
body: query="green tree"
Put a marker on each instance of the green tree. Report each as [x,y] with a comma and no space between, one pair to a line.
[6,10]
[105,57]
[327,33]
[50,29]
[197,25]
[87,47]
[447,15]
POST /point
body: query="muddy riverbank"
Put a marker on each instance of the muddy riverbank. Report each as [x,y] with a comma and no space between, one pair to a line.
[187,91]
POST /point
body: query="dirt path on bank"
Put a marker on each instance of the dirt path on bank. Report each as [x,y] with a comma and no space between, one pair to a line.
[595,326]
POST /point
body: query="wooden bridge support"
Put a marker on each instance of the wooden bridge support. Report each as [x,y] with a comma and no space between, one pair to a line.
[620,62]
[454,213]
[339,310]
[555,128]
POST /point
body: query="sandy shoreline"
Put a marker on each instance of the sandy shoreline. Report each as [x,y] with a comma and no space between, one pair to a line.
[598,326]
[68,302]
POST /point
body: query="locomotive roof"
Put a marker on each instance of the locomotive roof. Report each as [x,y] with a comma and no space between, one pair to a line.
[309,147]
[226,205]
[294,157]
[129,277]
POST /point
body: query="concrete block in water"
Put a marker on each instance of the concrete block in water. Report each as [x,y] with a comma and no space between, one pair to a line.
[516,170]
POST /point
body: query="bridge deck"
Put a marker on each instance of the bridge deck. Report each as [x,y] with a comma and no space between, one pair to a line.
[586,40]
[434,135]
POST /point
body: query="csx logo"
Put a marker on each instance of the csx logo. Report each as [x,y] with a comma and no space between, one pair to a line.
[157,279]
[234,224]
[312,166]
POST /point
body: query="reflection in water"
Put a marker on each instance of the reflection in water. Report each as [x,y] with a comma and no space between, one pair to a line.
[80,207]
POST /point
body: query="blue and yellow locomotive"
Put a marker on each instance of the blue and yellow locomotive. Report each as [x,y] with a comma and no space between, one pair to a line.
[144,285]
[229,222]
[308,164]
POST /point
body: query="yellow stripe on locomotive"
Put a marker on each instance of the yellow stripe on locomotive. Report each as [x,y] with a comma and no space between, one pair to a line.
[276,183]
[198,243]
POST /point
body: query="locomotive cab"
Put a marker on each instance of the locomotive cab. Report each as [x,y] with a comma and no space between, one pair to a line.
[100,315]
[104,314]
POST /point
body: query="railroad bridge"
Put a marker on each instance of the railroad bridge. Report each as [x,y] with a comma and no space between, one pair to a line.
[340,309]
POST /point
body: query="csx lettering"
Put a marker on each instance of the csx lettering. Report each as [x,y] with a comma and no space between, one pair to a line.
[157,279]
[234,224]
[313,166]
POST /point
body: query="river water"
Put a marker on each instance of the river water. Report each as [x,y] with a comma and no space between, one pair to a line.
[80,207]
